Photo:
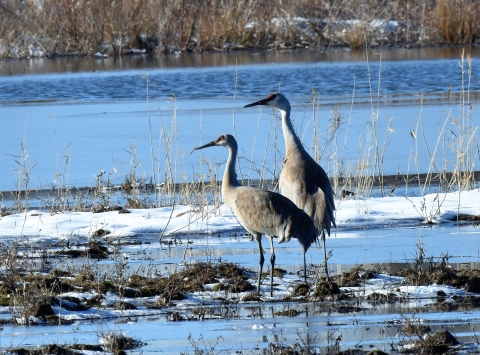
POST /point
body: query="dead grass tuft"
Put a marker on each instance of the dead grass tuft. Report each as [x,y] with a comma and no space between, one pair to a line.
[301,290]
[119,342]
[289,313]
[191,279]
[251,297]
[413,327]
[458,21]
[38,307]
[443,274]
[382,298]
[438,343]
[55,349]
[354,277]
[326,288]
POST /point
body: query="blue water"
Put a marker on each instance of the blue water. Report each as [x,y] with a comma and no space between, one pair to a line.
[384,74]
[78,117]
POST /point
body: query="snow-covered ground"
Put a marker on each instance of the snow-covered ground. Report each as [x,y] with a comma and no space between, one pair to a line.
[41,226]
[396,224]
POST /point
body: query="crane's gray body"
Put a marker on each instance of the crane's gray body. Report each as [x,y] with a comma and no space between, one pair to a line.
[302,179]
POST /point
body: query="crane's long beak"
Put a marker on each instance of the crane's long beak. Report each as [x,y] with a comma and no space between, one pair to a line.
[212,143]
[263,102]
[260,102]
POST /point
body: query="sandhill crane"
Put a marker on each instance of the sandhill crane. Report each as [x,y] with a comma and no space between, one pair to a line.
[302,180]
[263,212]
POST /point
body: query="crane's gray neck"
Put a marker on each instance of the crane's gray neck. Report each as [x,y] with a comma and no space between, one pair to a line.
[292,142]
[229,176]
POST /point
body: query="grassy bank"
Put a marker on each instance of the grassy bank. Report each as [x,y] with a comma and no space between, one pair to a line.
[57,28]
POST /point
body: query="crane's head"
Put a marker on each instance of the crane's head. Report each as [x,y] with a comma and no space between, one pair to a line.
[225,140]
[278,101]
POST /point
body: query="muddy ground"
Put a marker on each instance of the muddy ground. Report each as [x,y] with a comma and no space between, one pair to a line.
[33,296]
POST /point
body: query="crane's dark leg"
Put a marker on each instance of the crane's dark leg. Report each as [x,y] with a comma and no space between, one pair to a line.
[305,267]
[272,264]
[262,259]
[325,262]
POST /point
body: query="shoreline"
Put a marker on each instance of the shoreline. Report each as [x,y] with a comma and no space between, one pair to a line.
[21,66]
[398,180]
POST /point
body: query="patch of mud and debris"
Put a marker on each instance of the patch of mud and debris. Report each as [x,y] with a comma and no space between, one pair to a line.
[111,343]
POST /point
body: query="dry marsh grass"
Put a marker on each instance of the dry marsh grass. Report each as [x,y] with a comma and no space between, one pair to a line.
[457,20]
[81,27]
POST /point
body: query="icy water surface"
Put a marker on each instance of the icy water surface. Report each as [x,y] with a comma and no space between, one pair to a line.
[254,327]
[70,144]
[251,330]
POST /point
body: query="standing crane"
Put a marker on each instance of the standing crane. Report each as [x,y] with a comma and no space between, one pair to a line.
[302,179]
[263,212]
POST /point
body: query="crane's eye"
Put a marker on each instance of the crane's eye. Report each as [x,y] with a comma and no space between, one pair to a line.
[221,138]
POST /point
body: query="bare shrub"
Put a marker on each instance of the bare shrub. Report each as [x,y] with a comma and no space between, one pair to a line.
[458,21]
